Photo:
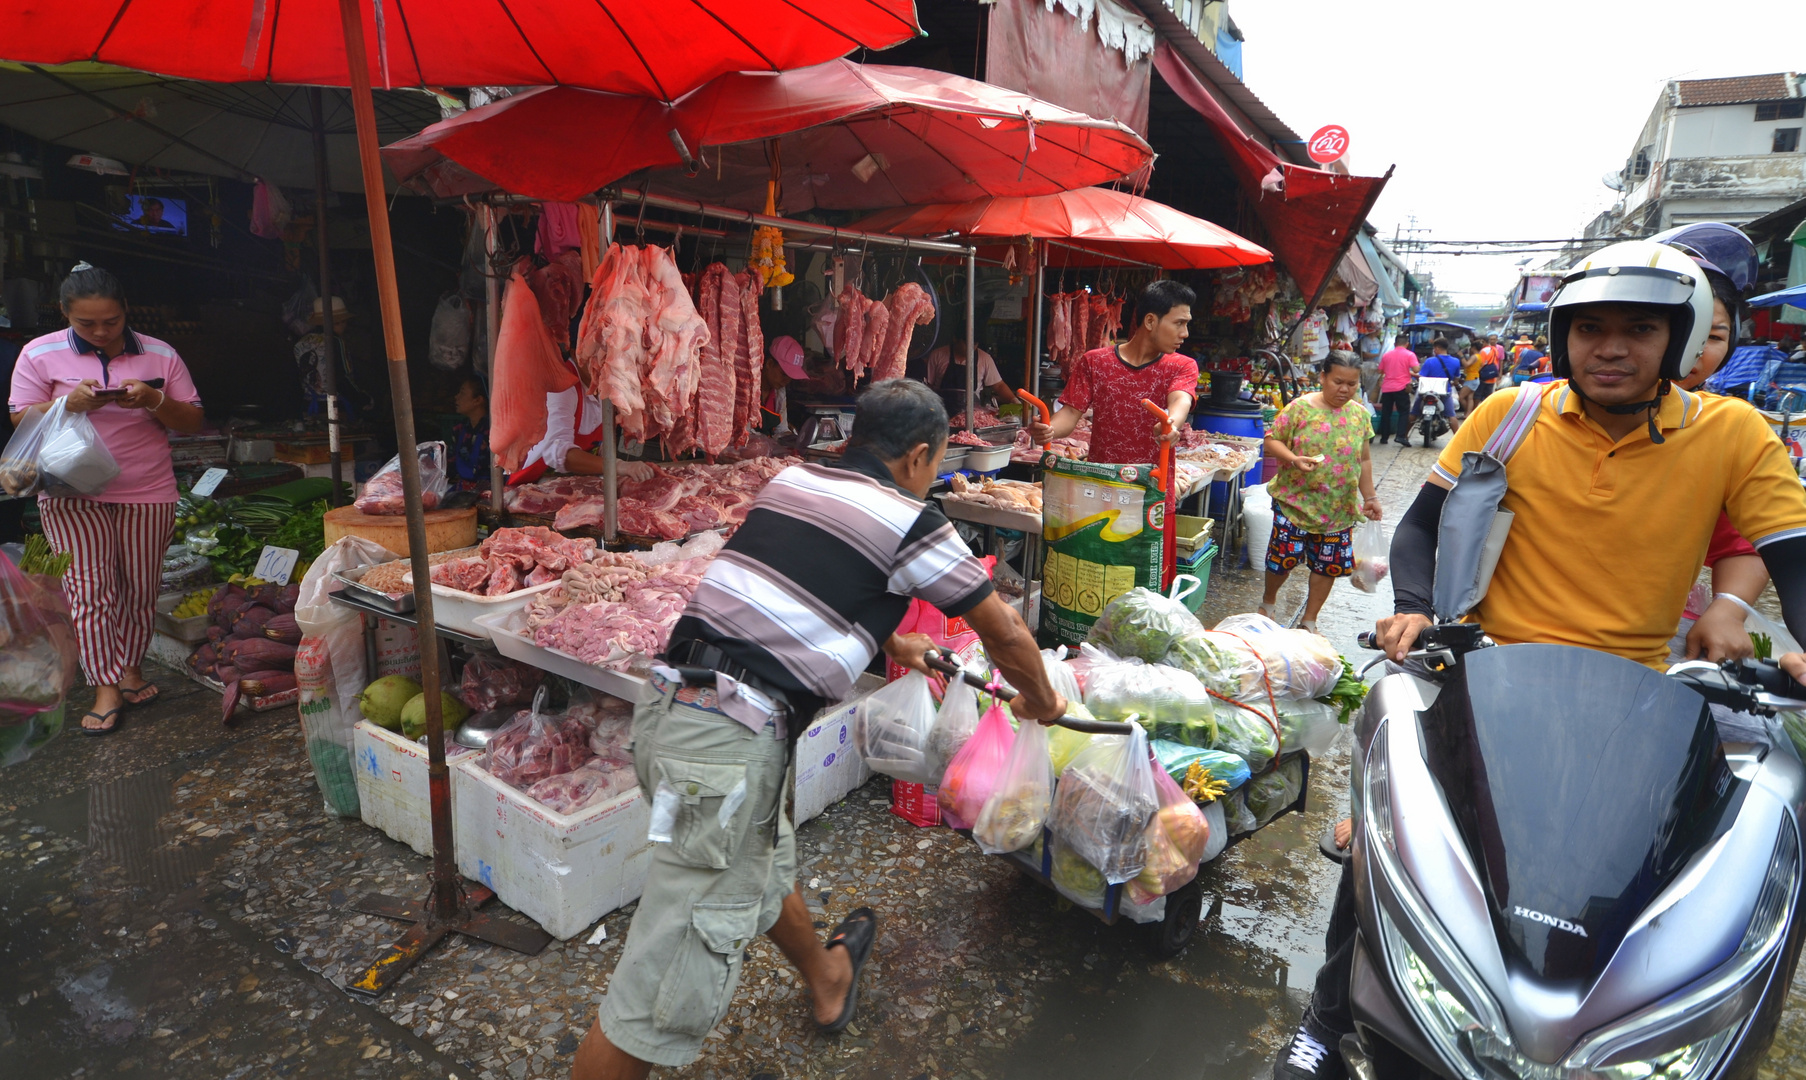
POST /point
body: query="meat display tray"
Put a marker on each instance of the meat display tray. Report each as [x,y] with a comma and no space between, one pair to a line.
[507,630]
[455,609]
[372,598]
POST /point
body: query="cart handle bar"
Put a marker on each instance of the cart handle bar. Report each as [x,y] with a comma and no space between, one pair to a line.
[941,663]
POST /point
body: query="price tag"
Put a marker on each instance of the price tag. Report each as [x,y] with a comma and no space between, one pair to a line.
[276,564]
[209,482]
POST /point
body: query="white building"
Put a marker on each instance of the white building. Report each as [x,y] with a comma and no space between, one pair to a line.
[1712,150]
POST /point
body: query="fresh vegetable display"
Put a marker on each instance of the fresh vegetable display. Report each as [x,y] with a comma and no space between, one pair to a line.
[251,645]
[40,559]
[194,510]
[234,551]
[1169,703]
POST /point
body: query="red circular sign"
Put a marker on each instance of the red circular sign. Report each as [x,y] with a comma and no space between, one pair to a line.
[1330,143]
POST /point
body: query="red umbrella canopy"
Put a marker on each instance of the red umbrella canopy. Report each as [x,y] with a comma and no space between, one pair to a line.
[1102,221]
[660,50]
[848,136]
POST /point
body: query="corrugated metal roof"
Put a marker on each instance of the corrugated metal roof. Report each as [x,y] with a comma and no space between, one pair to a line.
[1735,91]
[1288,143]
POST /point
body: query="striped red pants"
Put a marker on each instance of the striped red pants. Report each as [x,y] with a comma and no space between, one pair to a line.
[113,578]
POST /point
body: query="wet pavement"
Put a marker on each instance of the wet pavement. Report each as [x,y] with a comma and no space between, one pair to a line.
[173,904]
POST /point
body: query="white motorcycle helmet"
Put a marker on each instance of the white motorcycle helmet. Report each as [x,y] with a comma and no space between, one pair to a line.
[1638,272]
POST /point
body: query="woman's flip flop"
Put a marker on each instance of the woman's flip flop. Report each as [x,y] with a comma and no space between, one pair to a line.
[855,934]
[102,717]
[146,688]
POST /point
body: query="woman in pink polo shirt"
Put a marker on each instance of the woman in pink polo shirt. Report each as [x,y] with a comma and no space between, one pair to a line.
[135,389]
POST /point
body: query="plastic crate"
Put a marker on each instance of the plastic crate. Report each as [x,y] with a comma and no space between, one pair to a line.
[1199,567]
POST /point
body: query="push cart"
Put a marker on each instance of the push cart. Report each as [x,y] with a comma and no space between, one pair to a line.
[1184,906]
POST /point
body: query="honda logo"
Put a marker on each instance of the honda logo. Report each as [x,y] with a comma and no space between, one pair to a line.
[1550,920]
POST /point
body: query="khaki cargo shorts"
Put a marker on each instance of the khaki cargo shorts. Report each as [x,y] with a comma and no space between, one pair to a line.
[718,884]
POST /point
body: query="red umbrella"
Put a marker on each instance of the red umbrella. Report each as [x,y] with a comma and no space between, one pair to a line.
[1102,224]
[663,50]
[849,136]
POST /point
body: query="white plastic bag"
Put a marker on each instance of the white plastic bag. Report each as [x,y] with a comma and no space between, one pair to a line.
[71,456]
[894,723]
[1371,556]
[448,345]
[1298,663]
[329,670]
[19,472]
[953,725]
[1257,523]
[384,494]
[1016,811]
[1103,802]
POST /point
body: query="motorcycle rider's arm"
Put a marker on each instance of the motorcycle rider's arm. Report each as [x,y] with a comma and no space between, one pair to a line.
[1413,570]
[1786,562]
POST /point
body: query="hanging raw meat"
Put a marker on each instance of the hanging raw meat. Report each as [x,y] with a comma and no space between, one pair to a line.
[1081,322]
[558,286]
[1103,317]
[877,325]
[850,326]
[749,358]
[910,306]
[611,340]
[674,338]
[718,296]
[527,367]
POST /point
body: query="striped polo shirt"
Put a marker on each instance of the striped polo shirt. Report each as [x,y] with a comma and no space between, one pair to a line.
[821,574]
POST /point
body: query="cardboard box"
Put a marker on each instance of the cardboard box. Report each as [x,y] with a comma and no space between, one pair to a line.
[392,784]
[562,871]
[828,762]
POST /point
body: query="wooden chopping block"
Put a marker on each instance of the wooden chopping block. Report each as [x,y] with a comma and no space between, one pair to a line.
[446,530]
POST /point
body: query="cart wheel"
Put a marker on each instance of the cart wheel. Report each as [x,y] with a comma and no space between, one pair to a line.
[1183,909]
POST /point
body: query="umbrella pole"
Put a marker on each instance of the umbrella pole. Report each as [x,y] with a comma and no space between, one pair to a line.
[448,907]
[971,332]
[322,185]
[492,332]
[1034,371]
[611,499]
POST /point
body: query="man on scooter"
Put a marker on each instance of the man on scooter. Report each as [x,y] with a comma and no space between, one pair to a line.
[1440,364]
[1616,487]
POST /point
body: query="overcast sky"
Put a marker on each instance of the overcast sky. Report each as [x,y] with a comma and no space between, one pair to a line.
[1501,118]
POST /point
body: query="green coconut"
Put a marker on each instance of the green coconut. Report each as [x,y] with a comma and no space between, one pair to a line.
[382,701]
[413,714]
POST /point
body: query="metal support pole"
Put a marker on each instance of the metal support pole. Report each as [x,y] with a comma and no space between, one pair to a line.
[1034,374]
[971,332]
[328,332]
[610,477]
[492,330]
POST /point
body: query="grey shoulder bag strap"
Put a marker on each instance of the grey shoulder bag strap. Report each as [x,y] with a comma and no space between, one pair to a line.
[1473,528]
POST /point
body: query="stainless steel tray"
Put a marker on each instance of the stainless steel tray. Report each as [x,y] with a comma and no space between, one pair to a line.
[395,605]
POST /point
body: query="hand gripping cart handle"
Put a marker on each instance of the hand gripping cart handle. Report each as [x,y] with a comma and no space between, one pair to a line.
[946,665]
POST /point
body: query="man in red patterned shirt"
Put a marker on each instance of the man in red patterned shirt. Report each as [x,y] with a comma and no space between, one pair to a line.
[1113,381]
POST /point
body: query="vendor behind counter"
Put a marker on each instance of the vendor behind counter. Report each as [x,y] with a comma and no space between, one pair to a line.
[946,373]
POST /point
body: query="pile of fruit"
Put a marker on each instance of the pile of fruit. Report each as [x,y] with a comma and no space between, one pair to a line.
[194,510]
[194,605]
[397,703]
[251,645]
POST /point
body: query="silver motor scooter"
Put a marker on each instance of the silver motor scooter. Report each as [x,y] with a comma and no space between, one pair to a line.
[1563,873]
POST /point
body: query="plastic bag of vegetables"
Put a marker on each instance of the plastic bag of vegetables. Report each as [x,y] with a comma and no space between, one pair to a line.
[1299,664]
[1142,623]
[1103,802]
[1064,744]
[974,772]
[953,725]
[1171,704]
[1309,725]
[1228,770]
[1267,795]
[1017,809]
[1246,734]
[894,723]
[1177,838]
[1220,662]
[1076,879]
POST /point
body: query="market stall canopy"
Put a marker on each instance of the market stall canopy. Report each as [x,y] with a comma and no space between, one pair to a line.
[241,130]
[1104,223]
[1794,297]
[1308,213]
[848,137]
[625,48]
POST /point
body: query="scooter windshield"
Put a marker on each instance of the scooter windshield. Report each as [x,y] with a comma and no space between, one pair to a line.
[1581,783]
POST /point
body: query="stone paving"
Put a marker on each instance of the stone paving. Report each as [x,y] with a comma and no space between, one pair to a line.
[173,904]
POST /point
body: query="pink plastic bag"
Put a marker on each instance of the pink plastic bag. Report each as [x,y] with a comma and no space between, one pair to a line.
[975,771]
[1176,837]
[38,658]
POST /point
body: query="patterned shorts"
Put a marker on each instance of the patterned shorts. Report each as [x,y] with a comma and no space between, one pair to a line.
[1329,554]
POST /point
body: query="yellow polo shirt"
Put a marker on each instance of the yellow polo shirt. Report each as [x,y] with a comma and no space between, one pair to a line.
[1609,538]
[1471,369]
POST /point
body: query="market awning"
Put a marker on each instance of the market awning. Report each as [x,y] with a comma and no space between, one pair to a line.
[1108,224]
[1391,302]
[1793,297]
[1308,213]
[846,136]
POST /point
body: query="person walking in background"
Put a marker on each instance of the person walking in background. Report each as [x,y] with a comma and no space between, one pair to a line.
[1472,360]
[1396,368]
[135,390]
[1324,486]
[1532,360]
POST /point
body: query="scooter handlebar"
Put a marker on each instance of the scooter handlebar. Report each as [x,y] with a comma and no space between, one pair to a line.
[940,662]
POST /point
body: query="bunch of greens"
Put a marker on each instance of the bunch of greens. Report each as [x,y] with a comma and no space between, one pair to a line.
[1144,624]
[1348,694]
[304,530]
[40,559]
[237,551]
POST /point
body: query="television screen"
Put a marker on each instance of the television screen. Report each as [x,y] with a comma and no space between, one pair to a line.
[154,214]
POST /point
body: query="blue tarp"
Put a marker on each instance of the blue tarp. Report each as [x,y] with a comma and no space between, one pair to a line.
[1793,297]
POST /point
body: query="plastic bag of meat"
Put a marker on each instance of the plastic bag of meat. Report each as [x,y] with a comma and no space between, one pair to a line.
[383,494]
[595,781]
[491,683]
[537,744]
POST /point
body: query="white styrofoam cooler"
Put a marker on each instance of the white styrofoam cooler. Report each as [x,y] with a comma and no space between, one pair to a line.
[562,871]
[828,762]
[392,784]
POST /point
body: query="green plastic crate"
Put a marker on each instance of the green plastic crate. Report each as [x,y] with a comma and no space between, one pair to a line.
[1198,567]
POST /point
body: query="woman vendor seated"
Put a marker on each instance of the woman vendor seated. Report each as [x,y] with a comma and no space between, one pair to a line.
[470,436]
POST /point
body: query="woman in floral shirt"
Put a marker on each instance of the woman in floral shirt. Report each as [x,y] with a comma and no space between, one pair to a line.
[1324,486]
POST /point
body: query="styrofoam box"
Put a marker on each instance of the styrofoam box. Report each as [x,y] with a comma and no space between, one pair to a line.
[392,784]
[563,872]
[828,762]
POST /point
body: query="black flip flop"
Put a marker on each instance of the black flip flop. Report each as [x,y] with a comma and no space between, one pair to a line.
[155,693]
[114,713]
[1327,845]
[855,934]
